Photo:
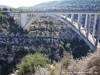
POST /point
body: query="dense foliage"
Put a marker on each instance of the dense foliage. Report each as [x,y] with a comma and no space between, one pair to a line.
[3,18]
[29,63]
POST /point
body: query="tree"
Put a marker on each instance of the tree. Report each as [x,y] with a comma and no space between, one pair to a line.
[3,19]
[11,21]
[28,64]
[5,9]
[10,9]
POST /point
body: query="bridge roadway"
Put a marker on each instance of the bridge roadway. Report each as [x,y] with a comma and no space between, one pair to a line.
[76,26]
[66,12]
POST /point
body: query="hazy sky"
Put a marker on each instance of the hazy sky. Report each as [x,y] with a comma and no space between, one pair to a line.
[18,3]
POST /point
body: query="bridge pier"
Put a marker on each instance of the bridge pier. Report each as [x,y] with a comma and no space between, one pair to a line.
[66,15]
[72,17]
[23,19]
[87,26]
[98,32]
[94,25]
[79,21]
[86,21]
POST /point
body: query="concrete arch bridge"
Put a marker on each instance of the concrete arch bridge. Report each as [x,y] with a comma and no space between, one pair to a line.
[85,24]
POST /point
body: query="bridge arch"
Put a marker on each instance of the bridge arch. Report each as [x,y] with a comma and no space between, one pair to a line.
[65,21]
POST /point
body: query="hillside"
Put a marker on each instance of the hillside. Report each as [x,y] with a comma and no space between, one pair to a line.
[4,6]
[64,5]
[42,6]
[67,5]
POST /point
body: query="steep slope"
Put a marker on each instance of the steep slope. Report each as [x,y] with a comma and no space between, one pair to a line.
[69,5]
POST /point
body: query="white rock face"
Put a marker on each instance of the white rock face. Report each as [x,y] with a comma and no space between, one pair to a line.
[41,71]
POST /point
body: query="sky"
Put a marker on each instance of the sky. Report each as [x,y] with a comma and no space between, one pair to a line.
[18,3]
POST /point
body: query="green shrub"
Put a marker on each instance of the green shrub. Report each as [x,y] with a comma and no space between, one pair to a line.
[61,42]
[68,45]
[28,64]
[3,18]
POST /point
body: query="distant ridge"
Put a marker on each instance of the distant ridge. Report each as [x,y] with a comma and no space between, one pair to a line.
[40,6]
[68,5]
[5,6]
[64,5]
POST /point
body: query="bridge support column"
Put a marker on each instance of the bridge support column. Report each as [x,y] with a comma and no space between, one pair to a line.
[66,15]
[23,19]
[79,21]
[88,28]
[87,24]
[94,26]
[20,19]
[98,32]
[72,17]
[86,21]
